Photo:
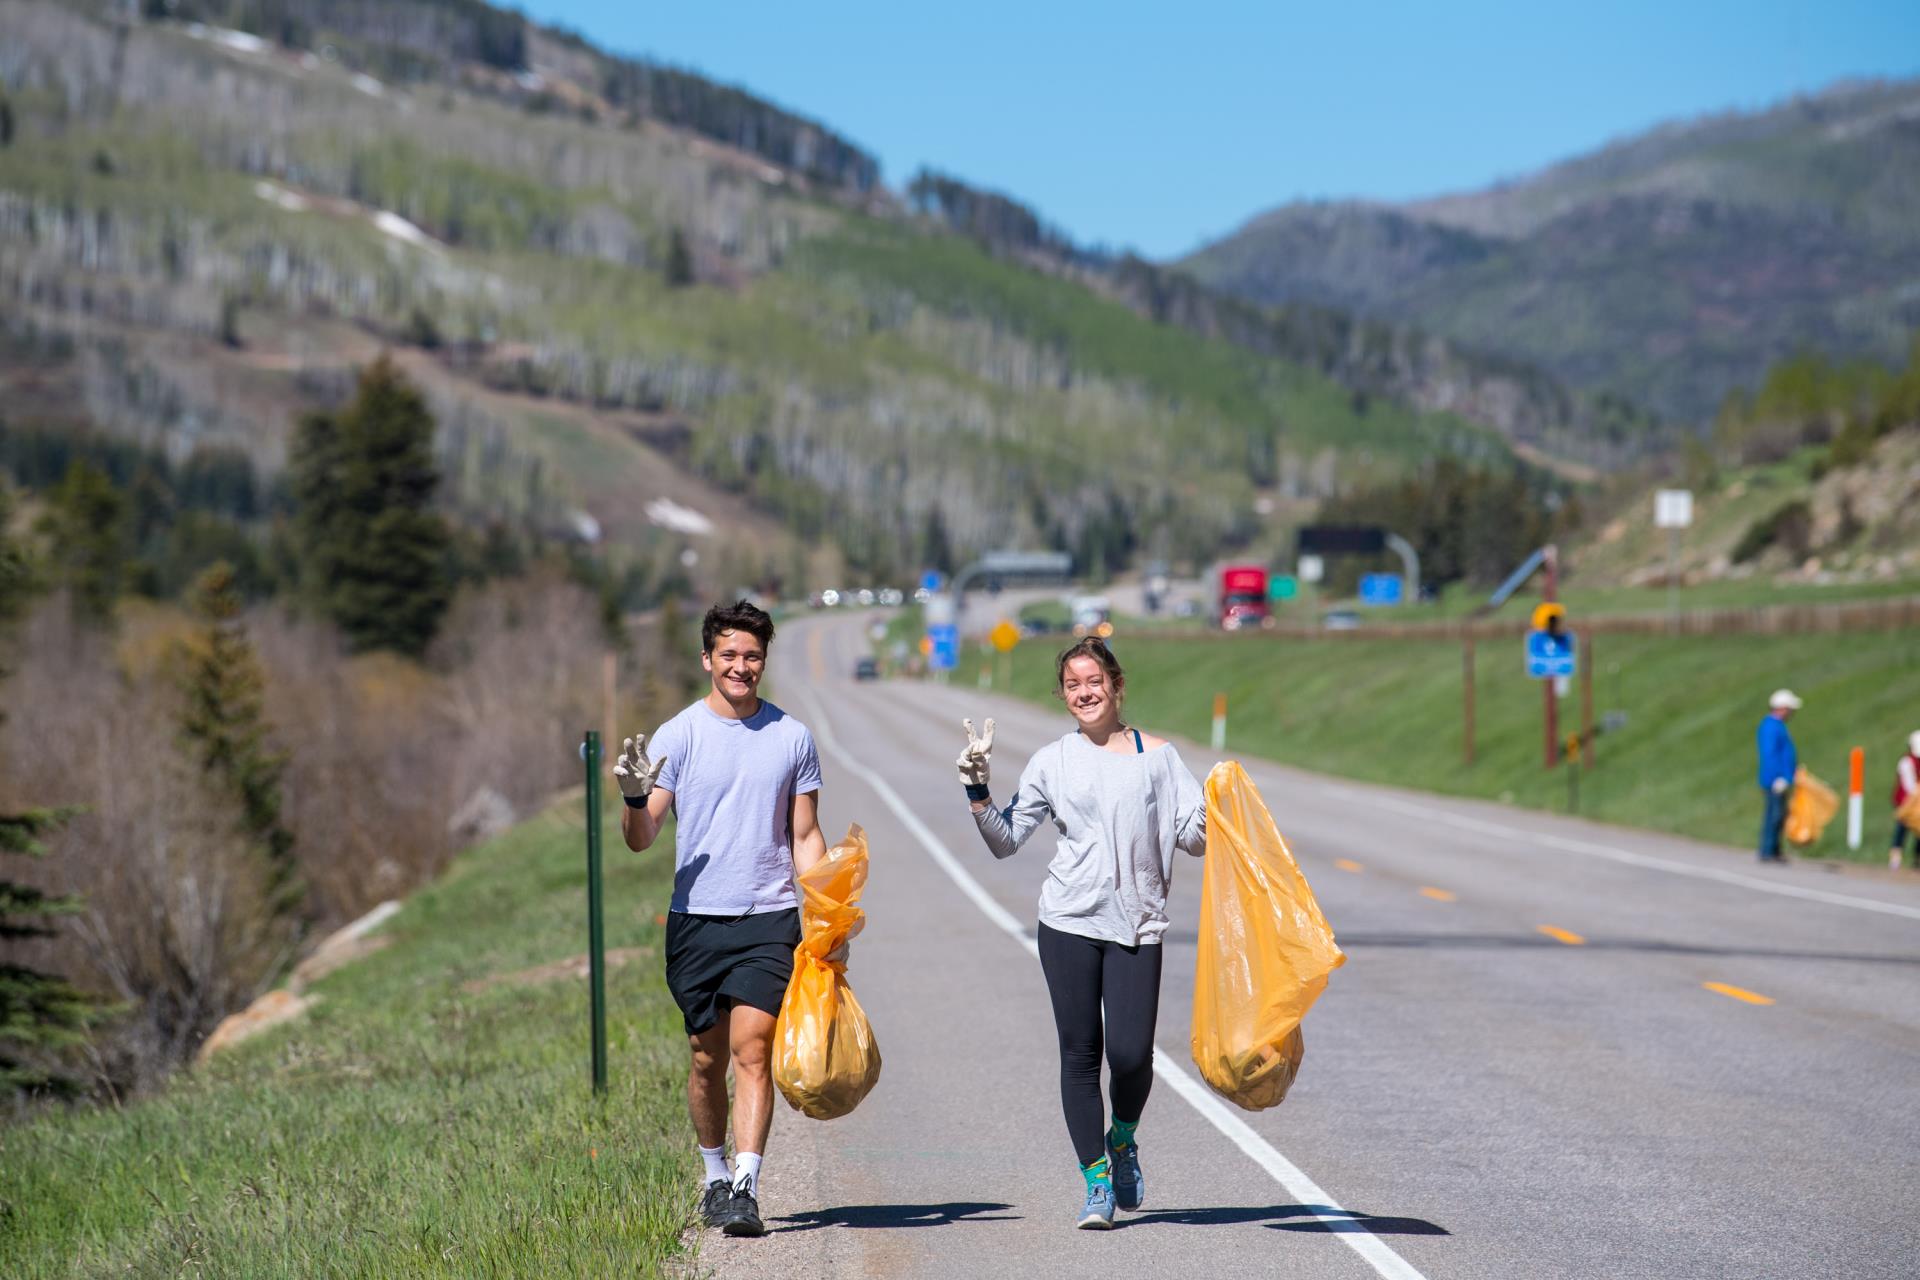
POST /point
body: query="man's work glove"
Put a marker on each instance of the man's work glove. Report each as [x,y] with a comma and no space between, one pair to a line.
[1779,786]
[973,762]
[634,772]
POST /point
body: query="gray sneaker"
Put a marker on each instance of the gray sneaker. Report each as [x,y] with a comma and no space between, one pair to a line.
[1097,1213]
[741,1216]
[1129,1188]
[713,1202]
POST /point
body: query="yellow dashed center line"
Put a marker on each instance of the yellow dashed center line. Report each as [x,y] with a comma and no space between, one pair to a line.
[1737,993]
[1438,895]
[1348,864]
[1562,935]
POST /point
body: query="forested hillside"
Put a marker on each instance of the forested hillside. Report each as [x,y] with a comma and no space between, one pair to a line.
[1670,267]
[620,287]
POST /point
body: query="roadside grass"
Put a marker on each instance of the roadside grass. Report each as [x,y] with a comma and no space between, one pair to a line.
[1390,711]
[409,1125]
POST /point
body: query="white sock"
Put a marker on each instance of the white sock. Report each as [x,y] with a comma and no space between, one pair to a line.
[747,1173]
[715,1159]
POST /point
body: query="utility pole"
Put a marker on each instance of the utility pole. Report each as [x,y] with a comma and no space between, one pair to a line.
[1550,591]
[1586,698]
[1466,678]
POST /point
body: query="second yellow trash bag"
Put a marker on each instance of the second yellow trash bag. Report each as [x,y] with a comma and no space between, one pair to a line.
[825,1059]
[1810,808]
[1265,949]
[1909,813]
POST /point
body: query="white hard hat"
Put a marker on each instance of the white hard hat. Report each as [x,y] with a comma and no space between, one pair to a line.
[1786,698]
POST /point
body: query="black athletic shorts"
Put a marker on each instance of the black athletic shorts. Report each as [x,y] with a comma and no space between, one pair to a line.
[716,962]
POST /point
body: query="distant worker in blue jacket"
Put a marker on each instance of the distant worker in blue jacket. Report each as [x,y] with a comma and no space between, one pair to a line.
[1779,762]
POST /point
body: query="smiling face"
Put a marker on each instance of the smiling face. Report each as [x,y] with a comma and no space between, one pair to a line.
[736,662]
[1093,699]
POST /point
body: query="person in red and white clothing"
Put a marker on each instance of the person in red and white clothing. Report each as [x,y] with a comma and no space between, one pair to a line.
[1906,782]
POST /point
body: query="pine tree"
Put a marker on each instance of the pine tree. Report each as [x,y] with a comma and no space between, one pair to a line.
[375,556]
[86,523]
[679,260]
[224,725]
[39,1013]
[936,552]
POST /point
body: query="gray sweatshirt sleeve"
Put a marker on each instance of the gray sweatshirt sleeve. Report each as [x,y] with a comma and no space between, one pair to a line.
[1189,810]
[1005,830]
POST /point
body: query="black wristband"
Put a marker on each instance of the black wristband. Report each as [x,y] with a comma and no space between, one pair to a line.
[976,791]
[634,802]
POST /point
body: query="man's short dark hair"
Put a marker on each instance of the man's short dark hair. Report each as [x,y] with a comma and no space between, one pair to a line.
[741,615]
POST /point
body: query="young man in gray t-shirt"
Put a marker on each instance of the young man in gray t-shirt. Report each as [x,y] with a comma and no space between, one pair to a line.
[742,779]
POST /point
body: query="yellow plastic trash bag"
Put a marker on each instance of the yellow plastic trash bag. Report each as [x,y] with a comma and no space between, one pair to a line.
[1909,813]
[1265,949]
[1810,808]
[825,1059]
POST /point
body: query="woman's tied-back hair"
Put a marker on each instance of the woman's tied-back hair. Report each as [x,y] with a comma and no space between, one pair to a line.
[738,616]
[1089,647]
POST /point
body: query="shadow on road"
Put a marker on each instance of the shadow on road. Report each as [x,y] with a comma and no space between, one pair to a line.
[1290,1217]
[1532,941]
[896,1215]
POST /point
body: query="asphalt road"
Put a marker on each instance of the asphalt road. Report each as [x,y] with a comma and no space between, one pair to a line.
[1557,1049]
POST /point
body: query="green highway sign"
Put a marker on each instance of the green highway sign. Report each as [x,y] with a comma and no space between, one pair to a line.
[1283,586]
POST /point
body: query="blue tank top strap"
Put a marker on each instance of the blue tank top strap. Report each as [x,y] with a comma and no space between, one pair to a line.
[1138,748]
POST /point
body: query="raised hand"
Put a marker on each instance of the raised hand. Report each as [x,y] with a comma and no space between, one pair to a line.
[974,760]
[633,771]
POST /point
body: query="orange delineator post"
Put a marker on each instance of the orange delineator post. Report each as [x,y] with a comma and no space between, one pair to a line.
[1856,783]
[1219,722]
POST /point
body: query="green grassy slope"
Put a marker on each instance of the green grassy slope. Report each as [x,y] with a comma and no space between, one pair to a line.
[409,1125]
[1390,711]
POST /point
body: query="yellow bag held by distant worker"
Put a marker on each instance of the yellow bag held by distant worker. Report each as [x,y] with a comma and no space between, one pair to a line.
[825,1059]
[1809,809]
[1265,949]
[1909,813]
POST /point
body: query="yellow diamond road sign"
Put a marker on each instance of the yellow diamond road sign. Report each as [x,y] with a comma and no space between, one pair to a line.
[1004,635]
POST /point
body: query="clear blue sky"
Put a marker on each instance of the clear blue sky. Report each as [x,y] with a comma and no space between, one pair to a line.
[1157,126]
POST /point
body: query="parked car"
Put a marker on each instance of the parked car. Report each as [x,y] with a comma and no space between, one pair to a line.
[1341,620]
[866,669]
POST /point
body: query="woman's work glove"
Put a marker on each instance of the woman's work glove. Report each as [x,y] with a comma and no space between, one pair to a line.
[974,760]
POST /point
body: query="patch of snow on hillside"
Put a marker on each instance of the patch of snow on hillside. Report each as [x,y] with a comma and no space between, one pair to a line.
[282,197]
[228,38]
[400,229]
[669,514]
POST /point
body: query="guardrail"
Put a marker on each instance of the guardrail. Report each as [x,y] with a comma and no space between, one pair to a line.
[1838,617]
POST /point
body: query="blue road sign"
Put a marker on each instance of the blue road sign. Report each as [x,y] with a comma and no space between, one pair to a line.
[1380,588]
[932,580]
[945,654]
[1548,655]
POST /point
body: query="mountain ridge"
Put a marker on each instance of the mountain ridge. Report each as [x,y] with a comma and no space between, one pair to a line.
[1671,265]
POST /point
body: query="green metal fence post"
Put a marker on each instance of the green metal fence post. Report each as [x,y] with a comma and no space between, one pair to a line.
[596,934]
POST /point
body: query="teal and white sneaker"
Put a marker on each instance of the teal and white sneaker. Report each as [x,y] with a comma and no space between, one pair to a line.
[1097,1213]
[1129,1187]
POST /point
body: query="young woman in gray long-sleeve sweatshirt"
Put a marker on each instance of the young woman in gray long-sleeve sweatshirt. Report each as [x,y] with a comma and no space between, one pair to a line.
[1122,801]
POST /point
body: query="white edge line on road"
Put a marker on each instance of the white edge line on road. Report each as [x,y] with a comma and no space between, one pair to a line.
[1371,1248]
[1638,859]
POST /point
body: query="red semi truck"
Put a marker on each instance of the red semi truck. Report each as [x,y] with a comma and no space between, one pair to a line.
[1243,597]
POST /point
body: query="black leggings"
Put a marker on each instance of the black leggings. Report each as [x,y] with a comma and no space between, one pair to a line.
[1082,974]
